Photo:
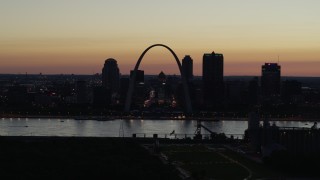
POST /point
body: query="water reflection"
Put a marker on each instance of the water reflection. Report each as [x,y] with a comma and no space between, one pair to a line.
[70,127]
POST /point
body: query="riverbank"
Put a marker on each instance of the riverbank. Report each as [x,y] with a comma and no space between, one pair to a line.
[108,118]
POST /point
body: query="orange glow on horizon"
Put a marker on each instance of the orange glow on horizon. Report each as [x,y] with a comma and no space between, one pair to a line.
[58,37]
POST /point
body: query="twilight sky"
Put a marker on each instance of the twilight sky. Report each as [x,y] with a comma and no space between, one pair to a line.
[76,36]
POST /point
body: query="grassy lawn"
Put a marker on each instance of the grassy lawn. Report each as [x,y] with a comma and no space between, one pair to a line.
[258,170]
[204,163]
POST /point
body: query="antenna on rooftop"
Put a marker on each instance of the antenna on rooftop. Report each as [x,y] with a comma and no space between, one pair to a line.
[278,60]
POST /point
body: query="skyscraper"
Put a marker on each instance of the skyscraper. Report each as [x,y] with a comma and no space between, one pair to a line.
[111,75]
[212,78]
[270,79]
[139,89]
[187,67]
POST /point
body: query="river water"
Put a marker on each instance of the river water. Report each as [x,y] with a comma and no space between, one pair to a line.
[116,128]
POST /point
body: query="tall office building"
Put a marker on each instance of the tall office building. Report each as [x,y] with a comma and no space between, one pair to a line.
[111,75]
[212,79]
[270,79]
[139,89]
[253,91]
[187,67]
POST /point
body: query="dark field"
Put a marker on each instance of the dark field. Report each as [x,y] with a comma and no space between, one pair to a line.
[204,163]
[79,158]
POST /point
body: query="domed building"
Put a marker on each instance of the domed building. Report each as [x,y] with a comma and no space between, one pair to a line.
[162,77]
[111,75]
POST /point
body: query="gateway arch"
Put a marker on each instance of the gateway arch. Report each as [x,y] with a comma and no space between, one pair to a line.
[132,79]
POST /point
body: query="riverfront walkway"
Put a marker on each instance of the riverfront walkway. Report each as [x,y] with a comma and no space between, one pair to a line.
[107,118]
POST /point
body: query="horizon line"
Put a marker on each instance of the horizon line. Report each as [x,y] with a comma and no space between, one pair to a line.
[59,74]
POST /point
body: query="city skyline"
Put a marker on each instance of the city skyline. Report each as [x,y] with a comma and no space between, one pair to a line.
[64,38]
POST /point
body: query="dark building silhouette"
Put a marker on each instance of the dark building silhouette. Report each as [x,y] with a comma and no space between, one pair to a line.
[124,86]
[291,91]
[235,91]
[212,78]
[198,97]
[101,97]
[111,75]
[253,91]
[253,131]
[17,96]
[139,89]
[139,76]
[139,95]
[187,67]
[81,90]
[270,79]
[162,77]
[268,139]
[161,90]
